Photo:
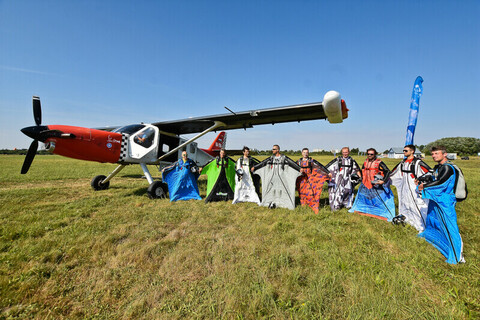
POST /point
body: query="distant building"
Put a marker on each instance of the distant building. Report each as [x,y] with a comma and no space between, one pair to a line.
[317,150]
[451,156]
[397,153]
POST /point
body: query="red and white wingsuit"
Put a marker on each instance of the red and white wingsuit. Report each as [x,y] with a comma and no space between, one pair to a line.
[410,203]
[310,183]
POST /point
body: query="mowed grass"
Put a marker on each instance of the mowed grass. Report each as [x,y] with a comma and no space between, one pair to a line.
[68,252]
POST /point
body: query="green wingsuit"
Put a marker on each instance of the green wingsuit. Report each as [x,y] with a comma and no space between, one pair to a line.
[221,179]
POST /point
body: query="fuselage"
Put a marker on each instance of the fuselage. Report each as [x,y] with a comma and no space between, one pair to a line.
[136,143]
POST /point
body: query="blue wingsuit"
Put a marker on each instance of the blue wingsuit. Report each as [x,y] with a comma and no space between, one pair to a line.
[441,228]
[375,200]
[182,182]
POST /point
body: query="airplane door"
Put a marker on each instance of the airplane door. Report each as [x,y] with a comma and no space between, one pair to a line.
[143,144]
[167,143]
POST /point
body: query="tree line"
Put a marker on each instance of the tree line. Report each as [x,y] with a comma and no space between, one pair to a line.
[21,151]
[463,146]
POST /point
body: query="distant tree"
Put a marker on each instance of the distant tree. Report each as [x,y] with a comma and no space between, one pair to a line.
[255,152]
[463,146]
[23,151]
[420,147]
[354,151]
[321,153]
[15,151]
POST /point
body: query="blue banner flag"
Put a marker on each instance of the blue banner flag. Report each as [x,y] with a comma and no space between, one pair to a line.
[412,118]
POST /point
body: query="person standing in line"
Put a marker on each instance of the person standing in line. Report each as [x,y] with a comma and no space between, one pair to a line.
[279,174]
[411,207]
[343,178]
[310,183]
[374,197]
[441,228]
[221,178]
[245,189]
[181,178]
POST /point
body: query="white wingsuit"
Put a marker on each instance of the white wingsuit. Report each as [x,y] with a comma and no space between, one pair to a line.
[244,187]
[279,176]
[410,203]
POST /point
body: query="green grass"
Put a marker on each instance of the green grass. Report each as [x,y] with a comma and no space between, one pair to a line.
[67,252]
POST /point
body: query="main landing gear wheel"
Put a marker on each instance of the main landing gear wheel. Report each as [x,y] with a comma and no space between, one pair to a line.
[157,190]
[97,183]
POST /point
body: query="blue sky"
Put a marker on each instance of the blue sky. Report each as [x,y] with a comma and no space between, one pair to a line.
[98,63]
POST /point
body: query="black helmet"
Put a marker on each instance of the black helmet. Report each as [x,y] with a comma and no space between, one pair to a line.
[355,178]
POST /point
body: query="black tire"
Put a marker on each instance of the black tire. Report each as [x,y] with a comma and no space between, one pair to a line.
[157,190]
[97,183]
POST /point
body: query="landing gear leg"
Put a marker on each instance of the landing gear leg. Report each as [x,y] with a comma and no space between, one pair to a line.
[146,173]
[102,182]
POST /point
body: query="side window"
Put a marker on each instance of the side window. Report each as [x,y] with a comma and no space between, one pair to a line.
[192,148]
[145,137]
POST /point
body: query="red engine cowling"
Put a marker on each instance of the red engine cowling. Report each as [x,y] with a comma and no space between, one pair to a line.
[86,144]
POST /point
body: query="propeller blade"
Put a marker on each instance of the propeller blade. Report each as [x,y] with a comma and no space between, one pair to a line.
[29,157]
[37,110]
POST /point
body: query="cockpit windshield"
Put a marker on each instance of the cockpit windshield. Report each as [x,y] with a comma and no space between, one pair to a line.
[144,137]
[132,128]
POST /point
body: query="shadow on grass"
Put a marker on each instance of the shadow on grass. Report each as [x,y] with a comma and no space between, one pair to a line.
[137,176]
[140,192]
[324,202]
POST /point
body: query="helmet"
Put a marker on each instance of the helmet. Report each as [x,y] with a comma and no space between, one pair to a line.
[400,219]
[355,178]
[377,178]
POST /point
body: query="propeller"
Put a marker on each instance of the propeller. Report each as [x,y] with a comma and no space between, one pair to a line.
[29,157]
[32,150]
[37,110]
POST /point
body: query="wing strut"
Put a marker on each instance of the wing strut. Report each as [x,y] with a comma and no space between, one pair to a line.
[216,125]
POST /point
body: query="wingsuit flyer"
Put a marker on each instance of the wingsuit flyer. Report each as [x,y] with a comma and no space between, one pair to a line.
[181,178]
[279,176]
[310,183]
[245,188]
[220,179]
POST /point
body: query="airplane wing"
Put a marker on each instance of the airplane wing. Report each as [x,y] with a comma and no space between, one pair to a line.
[332,108]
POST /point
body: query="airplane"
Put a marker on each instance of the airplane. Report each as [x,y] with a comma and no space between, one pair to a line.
[160,143]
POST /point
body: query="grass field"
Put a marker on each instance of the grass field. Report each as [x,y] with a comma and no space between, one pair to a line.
[67,252]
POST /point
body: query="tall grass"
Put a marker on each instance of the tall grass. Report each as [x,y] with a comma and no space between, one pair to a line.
[69,252]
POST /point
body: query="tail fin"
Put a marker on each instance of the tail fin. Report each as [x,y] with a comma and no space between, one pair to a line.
[219,142]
